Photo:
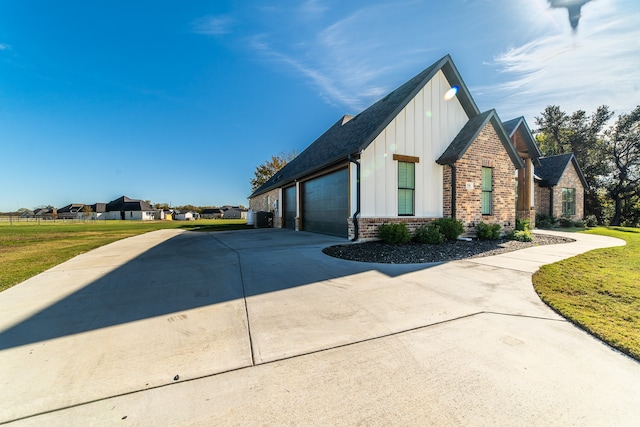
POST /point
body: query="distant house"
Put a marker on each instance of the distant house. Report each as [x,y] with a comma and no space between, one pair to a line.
[125,208]
[422,152]
[235,213]
[185,215]
[98,211]
[26,214]
[72,211]
[212,213]
[45,213]
[560,187]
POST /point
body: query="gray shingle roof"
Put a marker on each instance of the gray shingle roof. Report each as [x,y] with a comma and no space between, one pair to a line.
[126,204]
[470,132]
[552,168]
[351,137]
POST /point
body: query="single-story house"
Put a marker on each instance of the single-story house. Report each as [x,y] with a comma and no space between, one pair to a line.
[422,152]
[184,216]
[212,213]
[234,212]
[72,211]
[45,213]
[130,209]
[560,187]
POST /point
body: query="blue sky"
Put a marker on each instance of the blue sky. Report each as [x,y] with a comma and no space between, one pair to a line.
[178,102]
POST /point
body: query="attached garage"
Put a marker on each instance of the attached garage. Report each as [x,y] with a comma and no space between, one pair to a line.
[289,196]
[325,204]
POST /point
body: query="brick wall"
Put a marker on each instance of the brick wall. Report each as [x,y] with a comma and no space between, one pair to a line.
[486,151]
[261,203]
[569,179]
[542,199]
[368,227]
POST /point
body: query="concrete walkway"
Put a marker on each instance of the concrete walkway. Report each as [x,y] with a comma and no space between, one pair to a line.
[259,327]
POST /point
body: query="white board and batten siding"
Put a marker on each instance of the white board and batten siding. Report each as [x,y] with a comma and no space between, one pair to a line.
[424,128]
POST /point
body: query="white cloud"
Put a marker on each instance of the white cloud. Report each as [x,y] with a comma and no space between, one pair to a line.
[598,65]
[4,46]
[347,60]
[212,25]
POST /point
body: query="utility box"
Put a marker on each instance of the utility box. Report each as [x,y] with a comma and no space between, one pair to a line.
[264,219]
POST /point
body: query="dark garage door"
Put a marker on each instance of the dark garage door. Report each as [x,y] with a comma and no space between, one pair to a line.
[290,207]
[325,204]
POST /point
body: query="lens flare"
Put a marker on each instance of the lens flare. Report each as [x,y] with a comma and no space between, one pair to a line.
[451,93]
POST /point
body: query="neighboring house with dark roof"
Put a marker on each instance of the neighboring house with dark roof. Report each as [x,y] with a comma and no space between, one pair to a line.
[130,209]
[72,211]
[525,144]
[560,187]
[424,151]
[212,213]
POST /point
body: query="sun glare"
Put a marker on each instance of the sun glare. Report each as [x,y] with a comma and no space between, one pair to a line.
[451,93]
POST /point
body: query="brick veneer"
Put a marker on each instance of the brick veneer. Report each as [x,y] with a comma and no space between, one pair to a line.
[487,150]
[368,227]
[569,179]
[261,203]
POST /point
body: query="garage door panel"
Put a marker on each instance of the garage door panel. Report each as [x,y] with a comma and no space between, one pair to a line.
[290,207]
[326,204]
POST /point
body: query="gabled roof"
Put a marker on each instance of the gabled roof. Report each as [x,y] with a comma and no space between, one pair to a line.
[126,204]
[72,208]
[552,168]
[470,132]
[511,126]
[349,136]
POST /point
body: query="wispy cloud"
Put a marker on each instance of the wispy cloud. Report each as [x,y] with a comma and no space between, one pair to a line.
[350,65]
[212,25]
[4,46]
[597,66]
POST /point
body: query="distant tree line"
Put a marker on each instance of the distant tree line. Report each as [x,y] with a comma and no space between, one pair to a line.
[609,156]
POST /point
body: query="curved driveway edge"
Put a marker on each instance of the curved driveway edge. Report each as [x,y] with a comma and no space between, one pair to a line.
[260,327]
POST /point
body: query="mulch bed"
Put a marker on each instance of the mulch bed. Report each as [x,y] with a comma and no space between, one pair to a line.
[415,253]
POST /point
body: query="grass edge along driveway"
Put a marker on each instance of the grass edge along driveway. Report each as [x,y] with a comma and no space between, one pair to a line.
[29,248]
[599,291]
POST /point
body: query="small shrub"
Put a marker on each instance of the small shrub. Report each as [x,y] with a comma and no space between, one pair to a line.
[450,227]
[545,221]
[565,222]
[394,233]
[488,231]
[430,234]
[591,221]
[523,225]
[520,235]
[579,223]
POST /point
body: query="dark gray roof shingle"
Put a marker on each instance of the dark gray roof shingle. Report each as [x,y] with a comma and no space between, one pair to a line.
[347,138]
[552,168]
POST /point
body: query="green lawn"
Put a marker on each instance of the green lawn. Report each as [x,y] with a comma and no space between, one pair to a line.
[29,248]
[600,290]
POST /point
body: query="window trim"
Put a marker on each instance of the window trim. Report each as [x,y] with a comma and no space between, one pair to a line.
[566,191]
[490,192]
[412,189]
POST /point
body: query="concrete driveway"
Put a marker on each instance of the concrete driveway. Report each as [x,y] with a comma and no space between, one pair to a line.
[259,327]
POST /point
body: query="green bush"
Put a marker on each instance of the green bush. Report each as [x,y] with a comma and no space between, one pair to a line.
[545,221]
[488,231]
[431,234]
[450,227]
[523,225]
[520,235]
[565,222]
[591,221]
[394,233]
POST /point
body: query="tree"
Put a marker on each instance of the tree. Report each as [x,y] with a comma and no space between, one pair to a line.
[560,133]
[269,168]
[622,146]
[86,212]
